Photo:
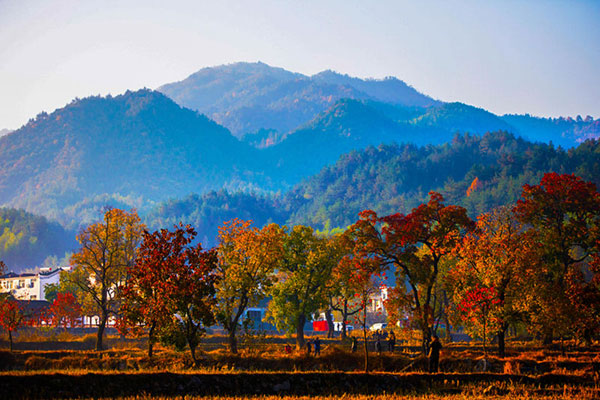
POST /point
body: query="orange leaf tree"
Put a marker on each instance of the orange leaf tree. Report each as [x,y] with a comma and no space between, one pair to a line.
[495,255]
[108,248]
[563,213]
[415,245]
[248,257]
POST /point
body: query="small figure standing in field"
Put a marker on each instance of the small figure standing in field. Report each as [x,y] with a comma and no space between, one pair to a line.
[378,345]
[392,341]
[317,343]
[354,344]
[308,347]
[434,354]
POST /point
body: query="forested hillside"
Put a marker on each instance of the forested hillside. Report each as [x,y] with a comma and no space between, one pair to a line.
[478,172]
[395,178]
[207,212]
[26,240]
[138,147]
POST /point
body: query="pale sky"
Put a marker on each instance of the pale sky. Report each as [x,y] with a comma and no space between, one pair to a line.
[509,56]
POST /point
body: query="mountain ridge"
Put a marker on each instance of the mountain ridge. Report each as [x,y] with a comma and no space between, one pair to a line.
[275,92]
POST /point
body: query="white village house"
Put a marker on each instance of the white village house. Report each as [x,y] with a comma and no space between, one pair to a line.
[29,286]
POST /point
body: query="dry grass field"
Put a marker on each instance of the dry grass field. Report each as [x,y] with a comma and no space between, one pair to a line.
[264,369]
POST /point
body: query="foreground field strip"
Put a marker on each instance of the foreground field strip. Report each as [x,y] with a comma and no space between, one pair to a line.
[61,385]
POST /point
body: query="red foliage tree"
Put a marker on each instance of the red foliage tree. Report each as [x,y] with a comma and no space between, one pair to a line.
[12,317]
[563,212]
[171,287]
[415,245]
[65,310]
[362,271]
[477,309]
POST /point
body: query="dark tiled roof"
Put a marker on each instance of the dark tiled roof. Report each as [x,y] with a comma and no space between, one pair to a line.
[33,306]
[13,275]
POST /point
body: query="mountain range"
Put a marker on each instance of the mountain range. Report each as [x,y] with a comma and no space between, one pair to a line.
[247,97]
[255,141]
[256,99]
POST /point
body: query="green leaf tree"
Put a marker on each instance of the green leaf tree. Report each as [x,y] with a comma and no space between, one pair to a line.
[303,270]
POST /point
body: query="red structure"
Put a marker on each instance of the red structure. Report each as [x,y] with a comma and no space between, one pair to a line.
[320,326]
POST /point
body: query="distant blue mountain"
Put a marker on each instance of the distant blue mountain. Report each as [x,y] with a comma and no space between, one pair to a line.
[264,105]
[247,97]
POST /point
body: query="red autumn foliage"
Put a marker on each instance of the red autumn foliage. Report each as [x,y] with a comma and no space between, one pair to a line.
[65,310]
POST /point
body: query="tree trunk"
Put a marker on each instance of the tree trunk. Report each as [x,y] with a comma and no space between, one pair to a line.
[365,341]
[10,341]
[193,352]
[300,332]
[232,341]
[484,337]
[446,319]
[100,334]
[501,344]
[344,317]
[151,339]
[448,334]
[426,339]
[330,327]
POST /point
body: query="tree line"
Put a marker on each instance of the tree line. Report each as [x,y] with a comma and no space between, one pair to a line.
[533,265]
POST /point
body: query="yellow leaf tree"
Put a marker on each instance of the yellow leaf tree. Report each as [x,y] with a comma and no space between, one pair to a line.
[247,257]
[108,249]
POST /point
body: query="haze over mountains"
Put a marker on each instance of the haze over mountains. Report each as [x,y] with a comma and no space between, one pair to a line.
[247,97]
[285,147]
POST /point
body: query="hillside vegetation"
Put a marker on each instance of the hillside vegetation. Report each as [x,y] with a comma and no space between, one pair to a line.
[26,240]
[396,178]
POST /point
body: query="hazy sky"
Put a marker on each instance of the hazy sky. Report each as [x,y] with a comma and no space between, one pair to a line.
[508,56]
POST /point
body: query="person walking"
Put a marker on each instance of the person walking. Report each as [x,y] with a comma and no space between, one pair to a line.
[308,347]
[354,346]
[378,345]
[434,354]
[391,341]
[317,343]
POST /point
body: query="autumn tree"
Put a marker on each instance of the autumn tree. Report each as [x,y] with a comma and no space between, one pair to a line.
[343,297]
[584,293]
[248,257]
[65,310]
[146,298]
[563,213]
[170,289]
[497,254]
[191,285]
[303,270]
[108,249]
[12,317]
[415,246]
[362,271]
[477,309]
